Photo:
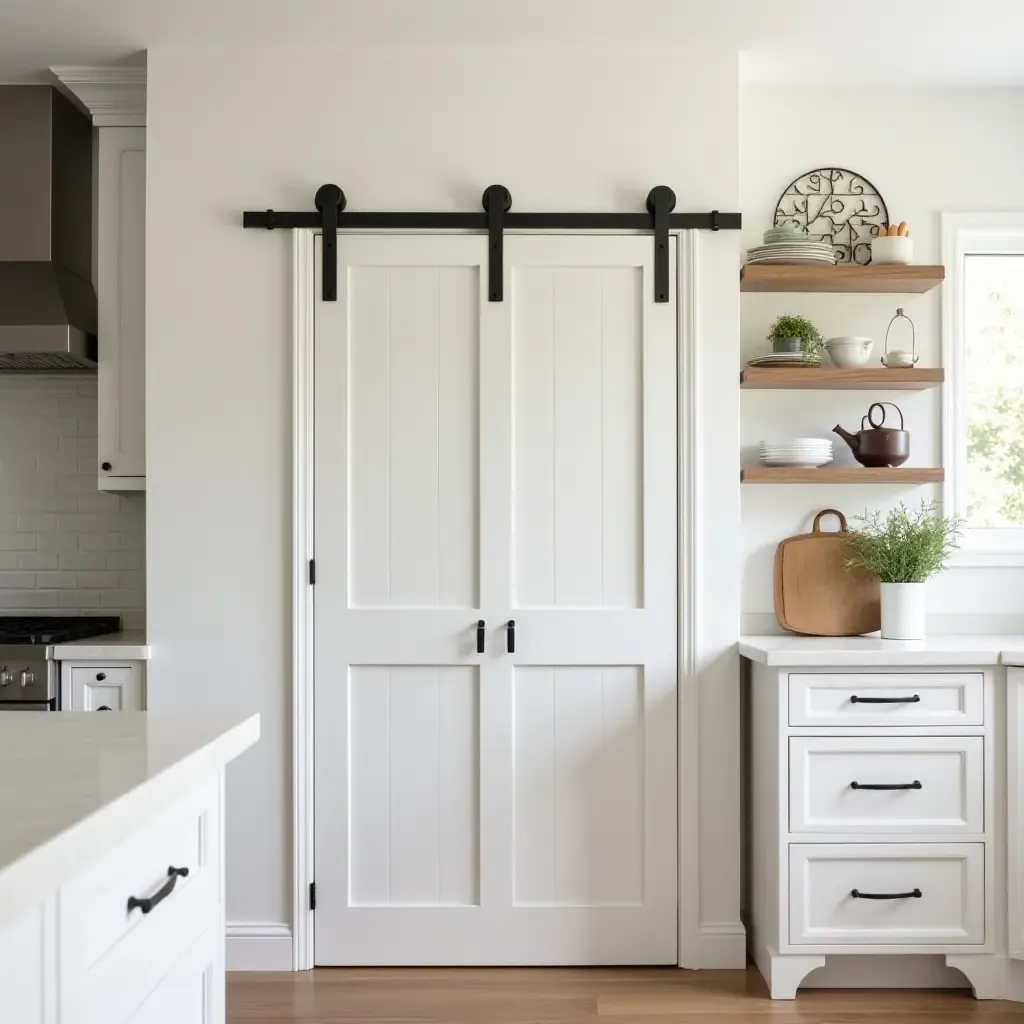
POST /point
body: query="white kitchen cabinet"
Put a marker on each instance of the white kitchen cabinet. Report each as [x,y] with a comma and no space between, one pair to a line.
[193,993]
[28,967]
[121,296]
[873,813]
[95,686]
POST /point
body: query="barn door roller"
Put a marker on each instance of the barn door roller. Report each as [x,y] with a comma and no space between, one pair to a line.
[330,217]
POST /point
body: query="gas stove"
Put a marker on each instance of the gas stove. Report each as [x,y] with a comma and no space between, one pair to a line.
[28,678]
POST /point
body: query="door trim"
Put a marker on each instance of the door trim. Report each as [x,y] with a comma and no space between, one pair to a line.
[690,546]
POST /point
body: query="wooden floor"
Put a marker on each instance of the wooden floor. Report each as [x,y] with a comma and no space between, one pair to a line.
[622,995]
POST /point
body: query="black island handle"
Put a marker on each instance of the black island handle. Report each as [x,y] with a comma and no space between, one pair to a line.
[858,895]
[149,903]
[887,785]
[511,633]
[916,699]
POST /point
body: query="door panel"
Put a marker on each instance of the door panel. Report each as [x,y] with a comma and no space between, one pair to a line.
[413,830]
[579,786]
[414,443]
[578,456]
[495,461]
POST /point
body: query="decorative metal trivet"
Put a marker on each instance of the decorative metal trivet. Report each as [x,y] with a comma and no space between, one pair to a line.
[837,206]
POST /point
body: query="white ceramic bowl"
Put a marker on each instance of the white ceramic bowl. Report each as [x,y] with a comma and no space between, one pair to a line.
[892,249]
[849,351]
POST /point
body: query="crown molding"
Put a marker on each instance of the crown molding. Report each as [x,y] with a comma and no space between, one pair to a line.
[113,96]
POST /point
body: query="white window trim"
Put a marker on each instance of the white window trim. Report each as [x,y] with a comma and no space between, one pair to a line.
[964,233]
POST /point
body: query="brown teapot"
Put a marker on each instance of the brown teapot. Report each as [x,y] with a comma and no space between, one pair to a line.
[880,445]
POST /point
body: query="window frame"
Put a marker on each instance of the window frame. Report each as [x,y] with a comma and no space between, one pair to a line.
[965,234]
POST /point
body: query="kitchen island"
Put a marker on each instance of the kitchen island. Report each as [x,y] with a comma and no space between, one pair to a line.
[111,866]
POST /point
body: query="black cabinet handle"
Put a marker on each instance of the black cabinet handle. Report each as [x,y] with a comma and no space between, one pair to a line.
[100,676]
[103,707]
[886,785]
[510,631]
[886,700]
[480,636]
[858,895]
[148,903]
[106,467]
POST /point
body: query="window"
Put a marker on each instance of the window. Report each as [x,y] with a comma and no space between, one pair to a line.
[983,352]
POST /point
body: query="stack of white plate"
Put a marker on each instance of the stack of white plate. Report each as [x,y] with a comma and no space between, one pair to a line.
[800,250]
[805,452]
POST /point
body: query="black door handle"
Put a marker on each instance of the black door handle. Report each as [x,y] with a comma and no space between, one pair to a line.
[510,632]
[480,636]
[148,903]
[886,785]
[858,895]
[886,700]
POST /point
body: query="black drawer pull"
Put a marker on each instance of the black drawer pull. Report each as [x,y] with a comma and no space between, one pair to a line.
[916,699]
[886,785]
[480,636]
[103,707]
[858,895]
[100,676]
[148,903]
[511,631]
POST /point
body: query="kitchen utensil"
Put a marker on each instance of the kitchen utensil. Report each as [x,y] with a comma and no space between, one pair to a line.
[892,249]
[849,350]
[900,358]
[878,445]
[815,593]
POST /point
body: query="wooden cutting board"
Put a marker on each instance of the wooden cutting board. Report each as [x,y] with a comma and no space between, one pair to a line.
[816,594]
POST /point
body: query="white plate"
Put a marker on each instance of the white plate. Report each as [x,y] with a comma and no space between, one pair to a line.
[798,441]
[797,463]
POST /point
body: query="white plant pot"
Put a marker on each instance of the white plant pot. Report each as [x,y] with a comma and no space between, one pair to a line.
[903,611]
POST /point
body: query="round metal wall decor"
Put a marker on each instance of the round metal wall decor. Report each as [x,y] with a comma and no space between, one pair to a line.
[837,206]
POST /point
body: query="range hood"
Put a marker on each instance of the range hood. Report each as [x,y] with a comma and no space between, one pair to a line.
[47,303]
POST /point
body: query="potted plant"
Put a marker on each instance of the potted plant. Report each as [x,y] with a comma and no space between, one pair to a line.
[796,334]
[903,550]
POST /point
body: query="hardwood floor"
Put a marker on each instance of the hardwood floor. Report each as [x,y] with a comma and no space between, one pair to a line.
[578,996]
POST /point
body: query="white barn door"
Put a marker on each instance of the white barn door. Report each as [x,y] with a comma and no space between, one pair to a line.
[510,461]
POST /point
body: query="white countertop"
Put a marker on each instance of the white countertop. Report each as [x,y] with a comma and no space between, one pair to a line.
[77,785]
[110,647]
[855,651]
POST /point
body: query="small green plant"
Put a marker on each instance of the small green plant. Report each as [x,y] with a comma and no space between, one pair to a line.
[904,546]
[790,326]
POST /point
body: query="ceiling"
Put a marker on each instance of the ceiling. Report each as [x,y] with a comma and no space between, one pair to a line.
[816,42]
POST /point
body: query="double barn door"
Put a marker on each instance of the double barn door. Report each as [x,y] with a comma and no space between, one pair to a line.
[479,463]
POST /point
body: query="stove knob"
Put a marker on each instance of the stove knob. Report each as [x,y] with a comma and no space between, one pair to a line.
[28,677]
[6,676]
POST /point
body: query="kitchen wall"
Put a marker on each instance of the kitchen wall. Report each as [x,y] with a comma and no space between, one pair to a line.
[927,151]
[420,130]
[65,547]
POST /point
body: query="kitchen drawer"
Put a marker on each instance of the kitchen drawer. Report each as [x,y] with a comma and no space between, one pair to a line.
[827,773]
[104,688]
[934,894]
[883,699]
[112,957]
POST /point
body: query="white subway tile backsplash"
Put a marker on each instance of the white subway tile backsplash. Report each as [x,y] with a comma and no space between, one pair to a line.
[64,544]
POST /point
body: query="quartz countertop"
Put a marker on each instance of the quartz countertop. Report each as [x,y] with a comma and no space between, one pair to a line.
[109,647]
[78,785]
[856,651]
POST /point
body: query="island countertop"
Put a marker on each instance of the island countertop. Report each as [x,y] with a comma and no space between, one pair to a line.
[81,784]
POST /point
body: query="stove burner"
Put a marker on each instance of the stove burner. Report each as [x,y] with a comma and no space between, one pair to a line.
[55,629]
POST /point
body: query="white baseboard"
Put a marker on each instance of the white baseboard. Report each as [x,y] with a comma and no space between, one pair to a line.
[259,946]
[721,945]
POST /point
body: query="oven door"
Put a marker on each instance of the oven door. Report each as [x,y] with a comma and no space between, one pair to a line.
[29,705]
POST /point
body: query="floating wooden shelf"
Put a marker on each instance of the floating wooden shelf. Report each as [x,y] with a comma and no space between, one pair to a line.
[832,378]
[840,475]
[893,279]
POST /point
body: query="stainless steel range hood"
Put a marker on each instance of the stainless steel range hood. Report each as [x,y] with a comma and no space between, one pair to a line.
[47,303]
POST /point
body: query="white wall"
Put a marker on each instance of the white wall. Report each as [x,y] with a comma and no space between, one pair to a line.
[234,130]
[927,151]
[65,547]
